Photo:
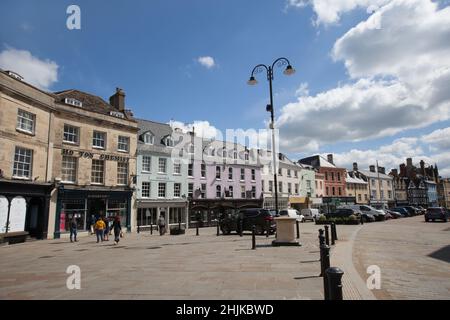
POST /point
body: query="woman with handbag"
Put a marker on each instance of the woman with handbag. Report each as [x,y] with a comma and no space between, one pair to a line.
[117,229]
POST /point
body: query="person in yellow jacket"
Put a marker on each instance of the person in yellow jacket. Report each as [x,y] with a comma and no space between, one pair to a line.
[99,229]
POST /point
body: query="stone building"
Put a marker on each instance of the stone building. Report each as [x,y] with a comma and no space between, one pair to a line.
[380,186]
[25,177]
[73,149]
[357,187]
[444,192]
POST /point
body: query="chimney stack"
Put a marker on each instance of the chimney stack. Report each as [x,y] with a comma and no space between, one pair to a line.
[422,167]
[372,168]
[394,172]
[403,170]
[330,158]
[409,162]
[117,100]
[382,170]
[355,166]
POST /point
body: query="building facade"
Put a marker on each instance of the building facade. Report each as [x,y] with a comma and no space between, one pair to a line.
[223,177]
[444,192]
[357,187]
[162,187]
[93,160]
[25,178]
[334,181]
[380,186]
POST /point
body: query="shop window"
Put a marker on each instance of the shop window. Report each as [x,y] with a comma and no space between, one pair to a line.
[71,208]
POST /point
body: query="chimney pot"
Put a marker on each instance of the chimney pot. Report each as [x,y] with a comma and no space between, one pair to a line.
[409,162]
[372,168]
[355,166]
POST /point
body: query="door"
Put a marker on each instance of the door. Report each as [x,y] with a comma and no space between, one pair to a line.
[17,214]
[3,213]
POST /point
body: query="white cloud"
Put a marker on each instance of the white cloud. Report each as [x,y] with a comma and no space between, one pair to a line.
[201,128]
[399,59]
[438,139]
[40,73]
[302,90]
[392,155]
[330,11]
[206,61]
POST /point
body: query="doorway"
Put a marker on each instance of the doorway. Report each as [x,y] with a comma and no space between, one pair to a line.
[96,207]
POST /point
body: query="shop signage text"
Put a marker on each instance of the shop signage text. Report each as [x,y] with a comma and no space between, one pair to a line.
[90,155]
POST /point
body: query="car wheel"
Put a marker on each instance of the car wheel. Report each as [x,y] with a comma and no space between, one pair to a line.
[432,220]
[226,230]
[259,229]
[426,220]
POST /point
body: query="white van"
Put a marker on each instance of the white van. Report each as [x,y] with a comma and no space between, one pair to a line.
[310,214]
[292,213]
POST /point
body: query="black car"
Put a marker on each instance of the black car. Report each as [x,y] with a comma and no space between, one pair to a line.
[402,211]
[260,218]
[436,213]
[412,211]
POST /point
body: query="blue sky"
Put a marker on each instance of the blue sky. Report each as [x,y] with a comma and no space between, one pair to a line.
[150,49]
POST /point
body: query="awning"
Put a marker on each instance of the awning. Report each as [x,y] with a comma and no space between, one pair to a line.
[293,200]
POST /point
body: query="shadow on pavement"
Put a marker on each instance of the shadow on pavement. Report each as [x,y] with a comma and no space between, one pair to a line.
[306,277]
[442,254]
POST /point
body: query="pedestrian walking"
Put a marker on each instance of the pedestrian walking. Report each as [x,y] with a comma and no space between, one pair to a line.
[117,228]
[92,222]
[99,229]
[106,231]
[73,229]
[161,225]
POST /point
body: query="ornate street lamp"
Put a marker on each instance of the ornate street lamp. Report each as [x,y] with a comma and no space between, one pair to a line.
[280,62]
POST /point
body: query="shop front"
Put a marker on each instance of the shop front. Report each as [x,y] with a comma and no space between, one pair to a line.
[24,208]
[173,211]
[207,211]
[87,204]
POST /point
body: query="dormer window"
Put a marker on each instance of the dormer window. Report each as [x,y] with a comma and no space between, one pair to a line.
[168,141]
[73,102]
[149,138]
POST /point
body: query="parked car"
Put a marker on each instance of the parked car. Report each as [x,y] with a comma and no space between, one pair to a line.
[412,211]
[254,216]
[368,211]
[292,213]
[310,214]
[393,214]
[402,211]
[422,209]
[436,213]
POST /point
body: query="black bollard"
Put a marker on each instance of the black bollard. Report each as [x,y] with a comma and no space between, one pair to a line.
[327,236]
[332,235]
[196,226]
[151,228]
[267,228]
[217,227]
[138,229]
[240,227]
[333,230]
[253,237]
[298,229]
[325,264]
[334,276]
[362,219]
[321,237]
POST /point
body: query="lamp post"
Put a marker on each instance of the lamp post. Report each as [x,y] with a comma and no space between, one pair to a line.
[269,108]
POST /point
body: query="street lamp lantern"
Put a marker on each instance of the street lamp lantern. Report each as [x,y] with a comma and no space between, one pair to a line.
[269,108]
[252,81]
[289,70]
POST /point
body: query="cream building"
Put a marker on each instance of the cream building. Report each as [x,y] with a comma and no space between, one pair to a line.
[76,146]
